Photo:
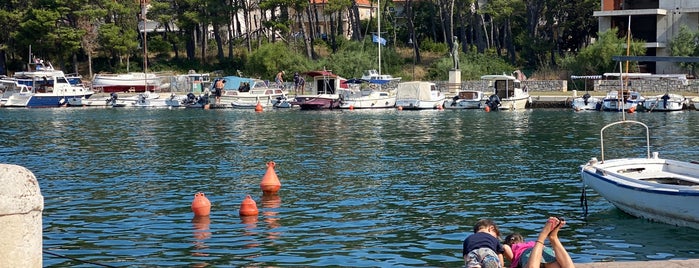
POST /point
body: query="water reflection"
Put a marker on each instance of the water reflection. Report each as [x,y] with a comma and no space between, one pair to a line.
[201,233]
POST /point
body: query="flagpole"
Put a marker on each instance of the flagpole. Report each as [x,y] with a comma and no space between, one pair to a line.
[378,25]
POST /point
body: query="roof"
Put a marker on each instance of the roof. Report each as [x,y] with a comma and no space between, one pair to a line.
[320,73]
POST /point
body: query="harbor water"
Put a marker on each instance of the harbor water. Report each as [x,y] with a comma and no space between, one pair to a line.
[359,188]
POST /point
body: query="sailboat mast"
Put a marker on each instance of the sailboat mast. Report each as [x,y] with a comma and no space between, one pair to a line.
[144,3]
[378,26]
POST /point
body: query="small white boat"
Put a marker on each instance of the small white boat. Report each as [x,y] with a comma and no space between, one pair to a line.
[362,96]
[615,101]
[508,93]
[665,103]
[418,95]
[241,92]
[16,94]
[375,77]
[586,102]
[695,101]
[466,99]
[653,188]
[126,82]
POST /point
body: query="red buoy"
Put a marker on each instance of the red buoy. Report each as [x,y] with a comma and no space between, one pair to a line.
[270,182]
[258,107]
[201,205]
[632,109]
[248,207]
[487,108]
[400,108]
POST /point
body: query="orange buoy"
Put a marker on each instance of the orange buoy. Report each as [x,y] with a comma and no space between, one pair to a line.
[258,107]
[201,205]
[632,109]
[351,107]
[400,108]
[487,108]
[248,207]
[270,182]
[206,106]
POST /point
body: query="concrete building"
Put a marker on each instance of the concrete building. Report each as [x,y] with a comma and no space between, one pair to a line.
[655,21]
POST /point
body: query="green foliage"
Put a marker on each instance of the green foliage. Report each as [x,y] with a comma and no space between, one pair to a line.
[432,46]
[271,58]
[115,39]
[597,57]
[473,65]
[684,45]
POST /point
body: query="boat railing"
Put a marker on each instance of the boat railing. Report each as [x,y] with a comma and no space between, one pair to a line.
[601,134]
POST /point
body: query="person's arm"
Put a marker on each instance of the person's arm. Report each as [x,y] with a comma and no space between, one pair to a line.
[508,252]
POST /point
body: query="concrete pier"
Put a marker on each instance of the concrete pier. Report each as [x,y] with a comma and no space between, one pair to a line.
[641,264]
[21,206]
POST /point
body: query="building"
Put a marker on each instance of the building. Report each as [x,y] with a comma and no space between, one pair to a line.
[655,21]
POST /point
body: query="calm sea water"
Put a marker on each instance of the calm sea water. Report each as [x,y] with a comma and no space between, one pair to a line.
[359,188]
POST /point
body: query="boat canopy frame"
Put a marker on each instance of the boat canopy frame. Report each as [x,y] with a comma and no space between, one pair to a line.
[601,134]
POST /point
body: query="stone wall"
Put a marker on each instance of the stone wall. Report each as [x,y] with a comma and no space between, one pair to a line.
[532,85]
[648,86]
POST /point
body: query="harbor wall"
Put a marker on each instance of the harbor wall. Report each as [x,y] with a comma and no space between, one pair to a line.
[21,206]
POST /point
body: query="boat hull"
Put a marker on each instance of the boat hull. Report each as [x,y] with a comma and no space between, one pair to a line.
[592,103]
[664,104]
[317,102]
[37,100]
[514,103]
[636,186]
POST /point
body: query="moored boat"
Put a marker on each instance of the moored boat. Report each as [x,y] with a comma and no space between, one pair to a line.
[507,92]
[664,103]
[418,95]
[359,95]
[648,187]
[127,82]
[616,101]
[324,91]
[466,99]
[586,102]
[46,87]
[241,92]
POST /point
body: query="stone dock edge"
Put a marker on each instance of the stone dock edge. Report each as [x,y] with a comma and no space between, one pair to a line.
[641,264]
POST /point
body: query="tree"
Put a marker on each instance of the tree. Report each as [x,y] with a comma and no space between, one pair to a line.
[685,45]
[597,57]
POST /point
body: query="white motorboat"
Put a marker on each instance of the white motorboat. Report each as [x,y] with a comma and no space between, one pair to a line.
[695,101]
[418,95]
[665,103]
[243,92]
[466,99]
[586,102]
[624,101]
[375,77]
[508,93]
[45,87]
[126,82]
[17,94]
[362,96]
[653,188]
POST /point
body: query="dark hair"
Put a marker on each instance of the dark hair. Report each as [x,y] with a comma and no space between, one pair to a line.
[484,223]
[514,239]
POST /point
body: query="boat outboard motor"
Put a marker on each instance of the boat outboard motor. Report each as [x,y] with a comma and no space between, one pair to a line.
[454,99]
[191,98]
[586,97]
[493,102]
[112,98]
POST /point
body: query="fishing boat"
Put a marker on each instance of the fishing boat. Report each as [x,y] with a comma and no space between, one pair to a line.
[45,87]
[586,101]
[625,100]
[507,92]
[418,95]
[466,99]
[650,187]
[667,102]
[324,91]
